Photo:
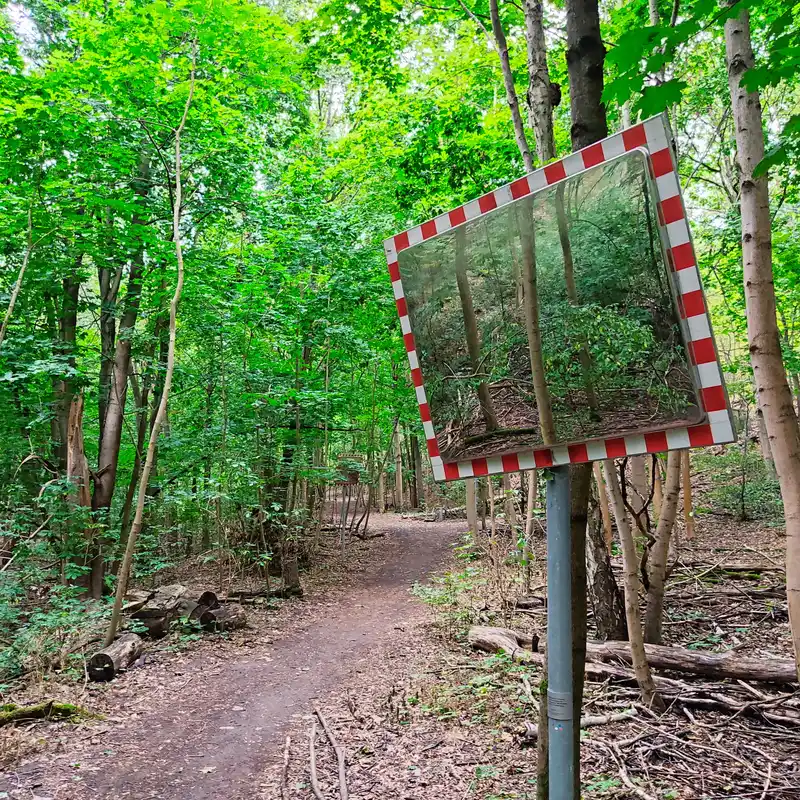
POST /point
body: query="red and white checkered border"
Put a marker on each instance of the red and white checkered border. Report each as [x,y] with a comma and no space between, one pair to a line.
[652,138]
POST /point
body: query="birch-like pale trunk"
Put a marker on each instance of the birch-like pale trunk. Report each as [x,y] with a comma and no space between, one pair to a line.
[657,561]
[136,527]
[772,387]
[508,82]
[630,562]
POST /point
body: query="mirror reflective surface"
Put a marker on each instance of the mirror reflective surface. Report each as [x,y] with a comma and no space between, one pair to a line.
[551,320]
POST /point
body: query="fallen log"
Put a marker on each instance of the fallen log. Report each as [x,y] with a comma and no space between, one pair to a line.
[50,709]
[253,595]
[120,654]
[196,612]
[161,609]
[733,568]
[710,665]
[678,659]
[136,599]
[208,599]
[227,617]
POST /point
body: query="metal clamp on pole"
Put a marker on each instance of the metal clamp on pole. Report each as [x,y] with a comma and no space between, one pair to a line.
[559,637]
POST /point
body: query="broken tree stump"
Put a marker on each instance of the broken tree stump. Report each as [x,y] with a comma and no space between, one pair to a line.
[121,653]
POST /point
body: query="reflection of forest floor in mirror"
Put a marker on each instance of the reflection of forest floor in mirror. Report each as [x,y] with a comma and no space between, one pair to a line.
[619,413]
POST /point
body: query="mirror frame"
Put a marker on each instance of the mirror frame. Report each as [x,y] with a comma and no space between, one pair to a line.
[652,138]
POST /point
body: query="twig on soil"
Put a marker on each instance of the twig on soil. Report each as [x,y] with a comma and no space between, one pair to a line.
[623,772]
[340,756]
[285,773]
[312,754]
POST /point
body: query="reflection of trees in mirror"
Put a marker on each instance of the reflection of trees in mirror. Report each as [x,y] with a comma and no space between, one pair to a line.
[603,317]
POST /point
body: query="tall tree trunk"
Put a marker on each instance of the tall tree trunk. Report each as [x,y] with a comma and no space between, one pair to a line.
[686,480]
[774,396]
[602,499]
[641,668]
[113,407]
[67,329]
[540,90]
[657,561]
[585,56]
[639,483]
[127,560]
[471,328]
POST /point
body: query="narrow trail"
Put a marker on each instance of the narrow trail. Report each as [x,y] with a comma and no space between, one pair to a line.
[215,736]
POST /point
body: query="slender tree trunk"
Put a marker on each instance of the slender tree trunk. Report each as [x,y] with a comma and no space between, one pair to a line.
[472,508]
[639,483]
[658,489]
[686,478]
[540,90]
[127,561]
[398,469]
[527,551]
[508,81]
[533,329]
[602,497]
[417,484]
[471,328]
[585,57]
[67,329]
[641,668]
[657,562]
[20,276]
[763,441]
[774,396]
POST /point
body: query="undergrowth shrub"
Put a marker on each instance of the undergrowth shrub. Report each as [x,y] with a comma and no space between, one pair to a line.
[41,625]
[740,485]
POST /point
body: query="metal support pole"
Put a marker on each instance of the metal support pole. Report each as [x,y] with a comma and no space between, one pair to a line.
[559,636]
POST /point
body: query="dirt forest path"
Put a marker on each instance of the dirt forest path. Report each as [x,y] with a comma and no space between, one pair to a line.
[215,734]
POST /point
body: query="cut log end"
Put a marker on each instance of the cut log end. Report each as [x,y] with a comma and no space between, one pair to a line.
[120,654]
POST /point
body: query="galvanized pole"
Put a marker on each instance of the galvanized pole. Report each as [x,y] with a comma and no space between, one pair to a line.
[559,637]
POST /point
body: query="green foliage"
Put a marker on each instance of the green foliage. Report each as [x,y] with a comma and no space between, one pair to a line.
[745,487]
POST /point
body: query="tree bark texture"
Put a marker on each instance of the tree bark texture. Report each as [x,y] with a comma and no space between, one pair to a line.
[719,666]
[631,576]
[508,82]
[604,593]
[657,562]
[532,327]
[585,56]
[540,103]
[774,395]
[118,655]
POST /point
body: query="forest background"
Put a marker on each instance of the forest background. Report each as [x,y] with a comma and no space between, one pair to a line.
[282,144]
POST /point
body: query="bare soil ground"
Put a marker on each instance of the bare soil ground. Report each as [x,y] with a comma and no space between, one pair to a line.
[430,719]
[420,715]
[206,723]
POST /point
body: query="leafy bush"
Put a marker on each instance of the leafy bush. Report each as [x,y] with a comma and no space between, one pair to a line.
[38,633]
[741,485]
